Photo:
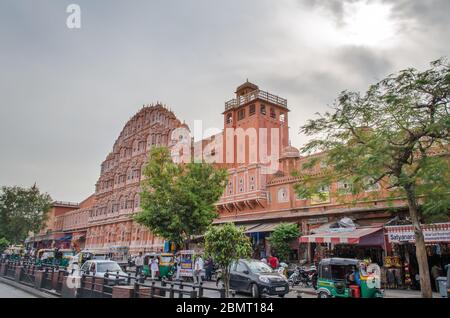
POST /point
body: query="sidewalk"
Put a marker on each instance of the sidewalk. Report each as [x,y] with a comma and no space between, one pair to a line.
[388,293]
[26,289]
[401,293]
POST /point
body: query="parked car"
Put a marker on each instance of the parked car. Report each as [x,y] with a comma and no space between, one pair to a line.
[99,268]
[257,278]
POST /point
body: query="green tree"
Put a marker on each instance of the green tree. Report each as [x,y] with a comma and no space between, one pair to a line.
[396,134]
[22,210]
[178,200]
[4,243]
[282,237]
[225,245]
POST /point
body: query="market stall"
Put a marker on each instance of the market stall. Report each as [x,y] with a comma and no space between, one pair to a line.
[400,268]
[350,242]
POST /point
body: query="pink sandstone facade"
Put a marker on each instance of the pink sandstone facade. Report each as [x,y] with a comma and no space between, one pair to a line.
[252,198]
[110,219]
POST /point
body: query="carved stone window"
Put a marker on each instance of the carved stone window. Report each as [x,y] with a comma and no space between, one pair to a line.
[283,195]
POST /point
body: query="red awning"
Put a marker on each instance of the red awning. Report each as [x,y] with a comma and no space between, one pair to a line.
[347,237]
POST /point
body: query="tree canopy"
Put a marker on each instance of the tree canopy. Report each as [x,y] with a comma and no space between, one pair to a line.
[178,200]
[226,244]
[396,134]
[282,237]
[4,243]
[22,210]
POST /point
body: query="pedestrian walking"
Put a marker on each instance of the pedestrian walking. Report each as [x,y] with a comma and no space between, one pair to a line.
[154,267]
[74,268]
[209,266]
[273,262]
[178,266]
[198,268]
[436,271]
[139,263]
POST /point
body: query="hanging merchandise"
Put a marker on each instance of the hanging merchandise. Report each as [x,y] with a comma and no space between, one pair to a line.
[407,275]
[388,261]
[438,250]
[396,262]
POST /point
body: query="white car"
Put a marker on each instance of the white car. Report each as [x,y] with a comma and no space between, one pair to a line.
[99,268]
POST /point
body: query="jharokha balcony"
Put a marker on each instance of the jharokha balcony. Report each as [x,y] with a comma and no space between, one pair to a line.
[239,202]
[256,94]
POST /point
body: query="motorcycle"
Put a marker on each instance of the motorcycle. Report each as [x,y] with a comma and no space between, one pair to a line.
[282,269]
[303,277]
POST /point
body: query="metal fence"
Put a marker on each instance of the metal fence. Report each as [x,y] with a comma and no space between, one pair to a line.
[44,277]
[53,279]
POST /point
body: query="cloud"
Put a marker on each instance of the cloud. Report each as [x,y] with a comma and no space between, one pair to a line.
[66,94]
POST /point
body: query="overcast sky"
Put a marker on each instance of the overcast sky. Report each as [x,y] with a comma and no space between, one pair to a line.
[65,94]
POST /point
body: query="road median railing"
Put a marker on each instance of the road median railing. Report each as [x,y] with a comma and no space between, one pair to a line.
[46,278]
[57,281]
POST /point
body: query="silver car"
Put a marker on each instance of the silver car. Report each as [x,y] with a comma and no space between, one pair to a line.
[99,268]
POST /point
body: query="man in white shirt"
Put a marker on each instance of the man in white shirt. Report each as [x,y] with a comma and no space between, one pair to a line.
[154,267]
[139,263]
[198,268]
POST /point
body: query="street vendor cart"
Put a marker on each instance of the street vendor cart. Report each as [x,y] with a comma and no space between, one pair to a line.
[187,262]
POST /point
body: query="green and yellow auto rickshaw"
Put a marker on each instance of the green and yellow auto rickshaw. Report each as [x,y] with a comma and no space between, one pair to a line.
[166,265]
[15,252]
[66,256]
[348,278]
[46,256]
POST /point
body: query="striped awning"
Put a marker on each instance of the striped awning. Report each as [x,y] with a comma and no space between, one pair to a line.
[351,236]
[264,227]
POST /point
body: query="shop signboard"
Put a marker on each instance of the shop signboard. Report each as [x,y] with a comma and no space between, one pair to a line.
[432,232]
[317,220]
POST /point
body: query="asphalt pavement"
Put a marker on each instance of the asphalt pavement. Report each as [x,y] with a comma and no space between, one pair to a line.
[7,291]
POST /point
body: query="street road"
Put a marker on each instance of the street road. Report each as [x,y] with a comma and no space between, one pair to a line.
[215,294]
[309,292]
[7,291]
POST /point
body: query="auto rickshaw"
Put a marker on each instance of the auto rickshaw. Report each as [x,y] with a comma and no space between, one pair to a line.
[15,252]
[85,255]
[166,265]
[46,256]
[66,255]
[347,278]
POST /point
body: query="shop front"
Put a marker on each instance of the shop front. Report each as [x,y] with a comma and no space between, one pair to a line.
[361,243]
[400,268]
[259,235]
[64,241]
[40,241]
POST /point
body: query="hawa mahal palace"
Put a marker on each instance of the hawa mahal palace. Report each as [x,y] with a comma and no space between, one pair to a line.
[259,193]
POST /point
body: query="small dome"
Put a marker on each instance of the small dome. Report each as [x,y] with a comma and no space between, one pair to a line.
[184,125]
[290,152]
